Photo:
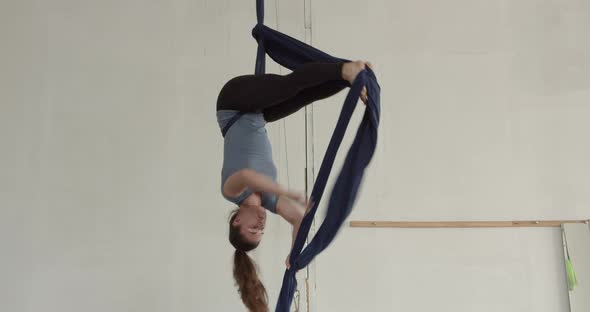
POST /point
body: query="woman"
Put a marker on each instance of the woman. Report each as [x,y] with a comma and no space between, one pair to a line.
[244,105]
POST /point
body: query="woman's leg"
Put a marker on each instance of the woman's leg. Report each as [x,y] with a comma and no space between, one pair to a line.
[318,92]
[250,93]
[303,98]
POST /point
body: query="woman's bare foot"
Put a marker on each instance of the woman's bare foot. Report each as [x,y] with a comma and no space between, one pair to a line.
[351,69]
[349,72]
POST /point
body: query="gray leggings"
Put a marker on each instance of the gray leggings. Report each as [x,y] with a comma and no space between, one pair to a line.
[278,96]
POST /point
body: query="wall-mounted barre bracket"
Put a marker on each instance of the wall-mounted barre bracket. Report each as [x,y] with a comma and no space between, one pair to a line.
[463,224]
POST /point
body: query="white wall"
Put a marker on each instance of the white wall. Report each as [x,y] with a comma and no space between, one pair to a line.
[485,110]
[110,153]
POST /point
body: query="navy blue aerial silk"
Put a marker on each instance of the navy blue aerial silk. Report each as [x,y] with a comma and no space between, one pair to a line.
[292,53]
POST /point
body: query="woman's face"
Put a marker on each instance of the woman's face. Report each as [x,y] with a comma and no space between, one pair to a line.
[252,220]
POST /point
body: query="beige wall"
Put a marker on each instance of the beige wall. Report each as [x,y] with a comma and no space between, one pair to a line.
[110,153]
[485,117]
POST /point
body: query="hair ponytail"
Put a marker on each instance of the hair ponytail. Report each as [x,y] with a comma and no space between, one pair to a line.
[250,287]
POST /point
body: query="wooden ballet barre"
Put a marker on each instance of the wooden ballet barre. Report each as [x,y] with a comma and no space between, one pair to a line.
[463,224]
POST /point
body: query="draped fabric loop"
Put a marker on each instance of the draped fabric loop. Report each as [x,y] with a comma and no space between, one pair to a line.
[292,53]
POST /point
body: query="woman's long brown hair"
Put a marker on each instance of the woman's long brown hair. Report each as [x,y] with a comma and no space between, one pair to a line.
[249,285]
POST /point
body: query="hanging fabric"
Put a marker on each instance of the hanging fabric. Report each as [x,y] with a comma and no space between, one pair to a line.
[292,53]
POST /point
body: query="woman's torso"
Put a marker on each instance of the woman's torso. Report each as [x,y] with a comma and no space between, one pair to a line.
[246,145]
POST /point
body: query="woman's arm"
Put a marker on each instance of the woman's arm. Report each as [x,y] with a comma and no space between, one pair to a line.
[290,211]
[257,182]
[293,213]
